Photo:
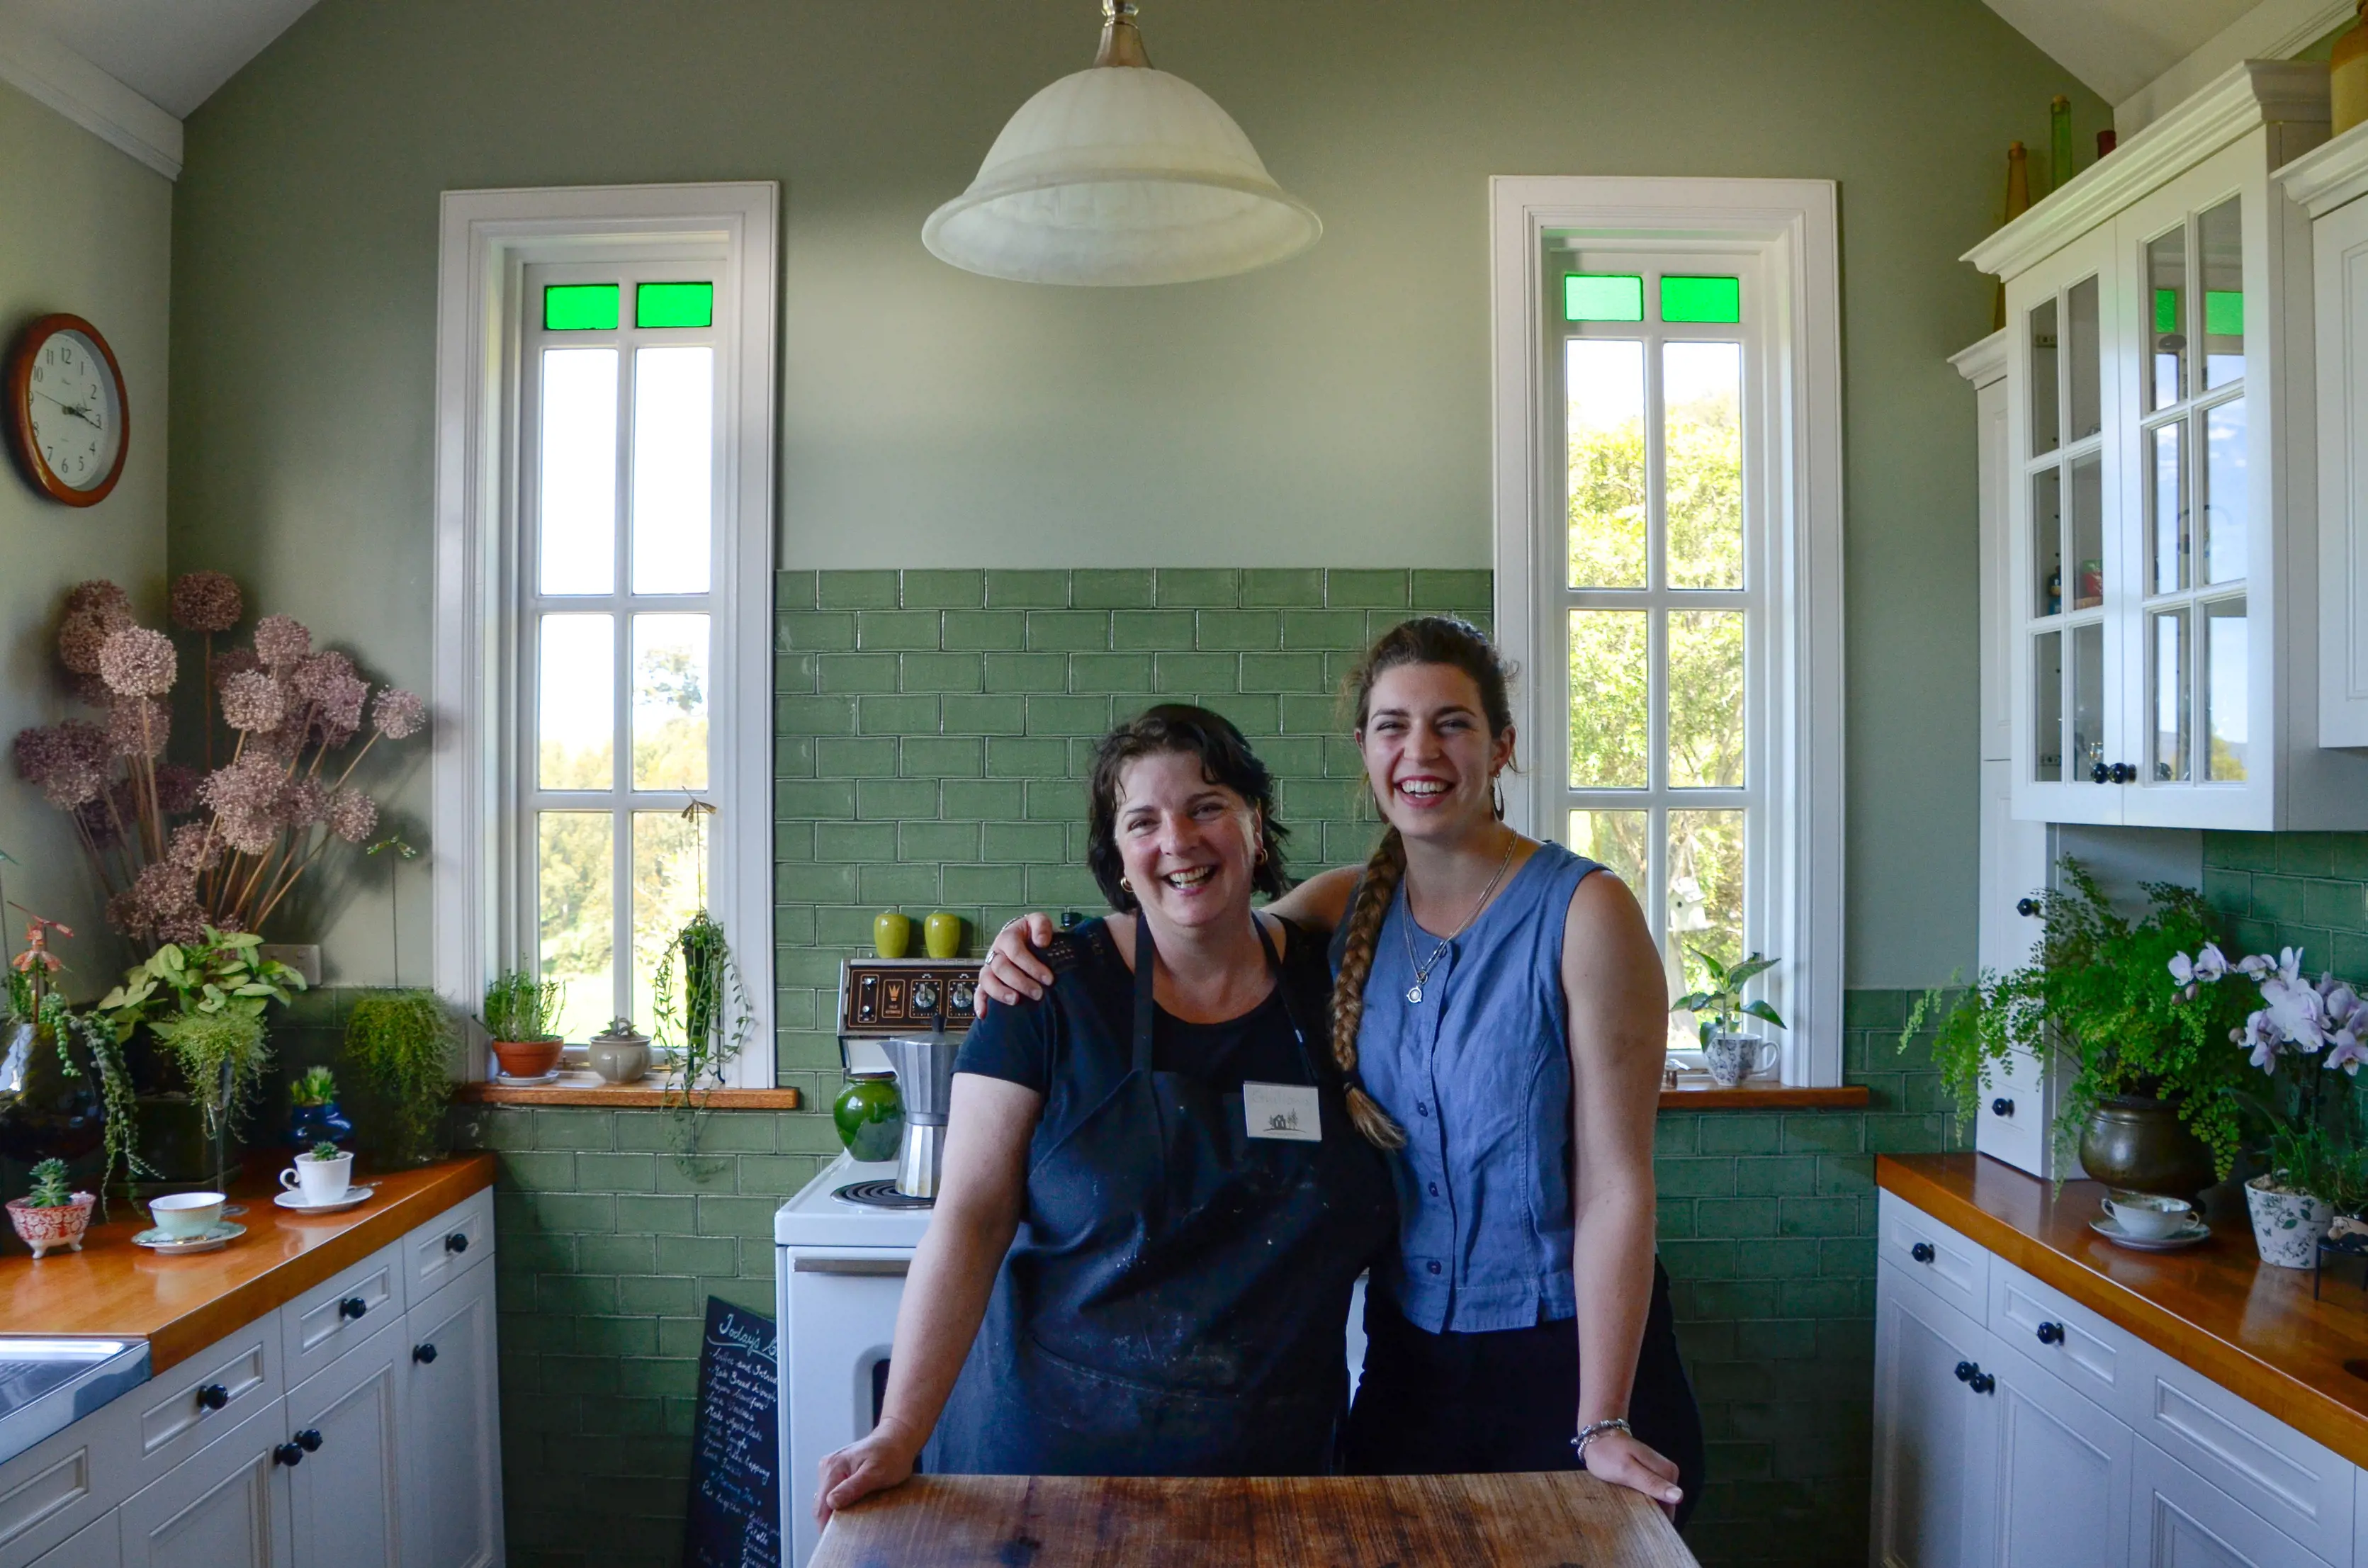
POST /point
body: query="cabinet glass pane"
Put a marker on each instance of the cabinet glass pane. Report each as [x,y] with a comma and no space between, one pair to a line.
[2087,698]
[574,917]
[577,475]
[2224,683]
[2166,316]
[1604,388]
[670,884]
[2173,686]
[1705,907]
[674,468]
[670,702]
[2224,492]
[2045,436]
[2047,542]
[576,703]
[1611,713]
[2087,349]
[2048,707]
[1705,699]
[1620,841]
[1701,401]
[2167,507]
[2220,234]
[2088,534]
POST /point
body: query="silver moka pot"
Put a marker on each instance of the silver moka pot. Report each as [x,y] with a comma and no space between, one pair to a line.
[925,1081]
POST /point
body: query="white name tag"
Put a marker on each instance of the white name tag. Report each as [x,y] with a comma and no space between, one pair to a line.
[1282,1110]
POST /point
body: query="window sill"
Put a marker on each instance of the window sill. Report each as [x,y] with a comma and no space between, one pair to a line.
[590,1090]
[1702,1094]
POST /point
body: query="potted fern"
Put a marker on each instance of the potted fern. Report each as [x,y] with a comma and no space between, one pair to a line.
[52,1215]
[518,1014]
[404,1042]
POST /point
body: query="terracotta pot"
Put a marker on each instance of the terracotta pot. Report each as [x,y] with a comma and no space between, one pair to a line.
[45,1230]
[527,1057]
[2137,1143]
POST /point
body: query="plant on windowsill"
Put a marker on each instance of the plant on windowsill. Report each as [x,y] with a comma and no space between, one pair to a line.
[52,1215]
[404,1042]
[518,1013]
[2149,1101]
[705,1015]
[1731,1054]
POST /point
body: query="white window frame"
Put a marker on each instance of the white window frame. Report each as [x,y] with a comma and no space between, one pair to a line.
[486,240]
[1793,412]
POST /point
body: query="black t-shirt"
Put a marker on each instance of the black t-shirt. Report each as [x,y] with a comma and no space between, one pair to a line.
[1090,1008]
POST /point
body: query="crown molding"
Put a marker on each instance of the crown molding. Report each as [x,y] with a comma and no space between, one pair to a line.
[47,71]
[1984,362]
[2328,174]
[2243,98]
[2273,29]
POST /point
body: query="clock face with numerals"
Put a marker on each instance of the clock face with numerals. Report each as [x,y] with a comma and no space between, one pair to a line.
[67,411]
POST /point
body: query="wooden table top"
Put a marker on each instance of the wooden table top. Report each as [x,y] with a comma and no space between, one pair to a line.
[180,1305]
[1469,1521]
[2252,1328]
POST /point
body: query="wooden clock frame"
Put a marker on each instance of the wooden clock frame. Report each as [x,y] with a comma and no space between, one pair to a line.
[20,415]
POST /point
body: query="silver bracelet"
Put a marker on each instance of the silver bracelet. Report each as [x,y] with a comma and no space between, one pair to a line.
[1595,1429]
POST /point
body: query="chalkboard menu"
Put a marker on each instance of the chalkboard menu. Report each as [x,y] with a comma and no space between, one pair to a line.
[735,1518]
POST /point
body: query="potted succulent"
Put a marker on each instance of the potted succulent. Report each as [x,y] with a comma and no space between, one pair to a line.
[52,1215]
[1731,1054]
[314,1113]
[518,1014]
[403,1042]
[321,1174]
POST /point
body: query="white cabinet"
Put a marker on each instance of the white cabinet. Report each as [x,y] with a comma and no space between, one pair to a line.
[2063,1471]
[2179,1521]
[98,1546]
[2156,604]
[1935,1432]
[229,1504]
[451,1429]
[344,1493]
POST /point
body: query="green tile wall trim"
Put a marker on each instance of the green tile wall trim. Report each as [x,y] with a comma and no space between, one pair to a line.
[2294,890]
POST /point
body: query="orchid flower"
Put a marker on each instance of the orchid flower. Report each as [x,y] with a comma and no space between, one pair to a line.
[2350,1049]
[2262,1037]
[2296,1012]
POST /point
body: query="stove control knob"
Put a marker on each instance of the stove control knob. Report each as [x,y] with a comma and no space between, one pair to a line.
[964,998]
[925,996]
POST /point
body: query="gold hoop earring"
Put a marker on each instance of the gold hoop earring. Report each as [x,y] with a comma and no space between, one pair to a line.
[1125,885]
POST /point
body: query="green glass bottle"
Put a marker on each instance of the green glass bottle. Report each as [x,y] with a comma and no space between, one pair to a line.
[2059,143]
[870,1116]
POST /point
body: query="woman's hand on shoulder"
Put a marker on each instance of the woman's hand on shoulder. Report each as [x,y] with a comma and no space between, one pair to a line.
[1620,1459]
[1319,905]
[1013,972]
[874,1463]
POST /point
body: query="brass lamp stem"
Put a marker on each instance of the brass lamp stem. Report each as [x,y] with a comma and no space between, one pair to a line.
[1123,41]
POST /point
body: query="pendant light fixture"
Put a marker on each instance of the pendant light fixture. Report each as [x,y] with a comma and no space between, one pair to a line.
[1118,174]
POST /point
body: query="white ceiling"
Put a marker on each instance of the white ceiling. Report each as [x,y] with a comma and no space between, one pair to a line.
[2118,46]
[171,52]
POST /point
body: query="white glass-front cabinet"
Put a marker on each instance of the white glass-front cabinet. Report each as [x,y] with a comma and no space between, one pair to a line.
[2158,613]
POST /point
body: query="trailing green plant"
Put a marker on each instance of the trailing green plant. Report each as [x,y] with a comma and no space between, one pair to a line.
[519,1007]
[223,1055]
[50,1187]
[32,999]
[324,1150]
[2093,996]
[703,1015]
[1721,1007]
[403,1042]
[314,1086]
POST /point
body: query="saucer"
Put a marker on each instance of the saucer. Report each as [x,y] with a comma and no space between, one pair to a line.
[356,1194]
[2187,1236]
[506,1082]
[221,1235]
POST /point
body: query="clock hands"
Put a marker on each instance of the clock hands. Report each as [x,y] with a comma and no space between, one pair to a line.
[78,410]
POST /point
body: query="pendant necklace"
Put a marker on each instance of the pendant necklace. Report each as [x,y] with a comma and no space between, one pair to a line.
[1422,967]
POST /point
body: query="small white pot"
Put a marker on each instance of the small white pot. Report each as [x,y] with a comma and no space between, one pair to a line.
[2287,1225]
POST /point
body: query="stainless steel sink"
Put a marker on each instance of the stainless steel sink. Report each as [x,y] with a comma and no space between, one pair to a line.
[46,1385]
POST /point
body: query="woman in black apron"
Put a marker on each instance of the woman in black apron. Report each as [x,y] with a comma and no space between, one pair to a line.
[1148,1170]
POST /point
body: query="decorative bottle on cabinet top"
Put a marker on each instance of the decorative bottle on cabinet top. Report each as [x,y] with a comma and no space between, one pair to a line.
[2347,81]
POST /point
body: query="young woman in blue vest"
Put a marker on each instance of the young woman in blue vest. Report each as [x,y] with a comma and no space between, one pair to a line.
[1499,1016]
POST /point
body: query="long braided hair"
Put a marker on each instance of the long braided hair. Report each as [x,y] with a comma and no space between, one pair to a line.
[1432,639]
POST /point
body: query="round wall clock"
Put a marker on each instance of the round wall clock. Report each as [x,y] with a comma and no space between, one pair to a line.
[67,416]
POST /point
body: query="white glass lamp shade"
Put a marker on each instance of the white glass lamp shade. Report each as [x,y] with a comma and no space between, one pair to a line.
[1121,174]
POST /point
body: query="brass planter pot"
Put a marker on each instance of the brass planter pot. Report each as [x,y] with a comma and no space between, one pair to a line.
[2137,1143]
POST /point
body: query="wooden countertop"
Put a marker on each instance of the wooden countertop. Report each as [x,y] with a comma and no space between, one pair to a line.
[1471,1521]
[180,1305]
[2216,1307]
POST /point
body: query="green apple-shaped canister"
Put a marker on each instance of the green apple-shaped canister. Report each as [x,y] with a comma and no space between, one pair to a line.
[870,1116]
[941,934]
[892,934]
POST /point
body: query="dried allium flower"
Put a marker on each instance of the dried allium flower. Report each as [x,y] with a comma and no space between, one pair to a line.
[206,601]
[253,700]
[302,803]
[97,821]
[69,761]
[352,815]
[100,597]
[80,637]
[337,713]
[320,674]
[136,662]
[233,662]
[281,639]
[137,726]
[398,714]
[176,787]
[246,788]
[195,846]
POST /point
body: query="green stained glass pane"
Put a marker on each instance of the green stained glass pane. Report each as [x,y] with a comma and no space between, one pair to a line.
[2224,313]
[579,307]
[1602,296]
[2166,309]
[1701,299]
[673,304]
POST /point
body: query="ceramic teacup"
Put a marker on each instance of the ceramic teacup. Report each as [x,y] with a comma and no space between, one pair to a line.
[2146,1215]
[1732,1058]
[184,1215]
[321,1181]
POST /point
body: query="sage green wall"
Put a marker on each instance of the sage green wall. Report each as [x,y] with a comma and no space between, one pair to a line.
[1333,409]
[87,230]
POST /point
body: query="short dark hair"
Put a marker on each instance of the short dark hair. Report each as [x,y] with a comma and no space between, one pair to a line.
[1226,759]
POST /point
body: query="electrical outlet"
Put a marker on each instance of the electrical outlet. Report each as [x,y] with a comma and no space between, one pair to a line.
[304,958]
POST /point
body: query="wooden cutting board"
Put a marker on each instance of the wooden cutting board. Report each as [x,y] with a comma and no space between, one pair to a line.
[1557,1520]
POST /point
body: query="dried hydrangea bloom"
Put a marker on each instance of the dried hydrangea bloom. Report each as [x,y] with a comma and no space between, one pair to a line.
[100,597]
[398,715]
[136,662]
[79,638]
[352,815]
[281,639]
[137,727]
[206,601]
[69,761]
[253,700]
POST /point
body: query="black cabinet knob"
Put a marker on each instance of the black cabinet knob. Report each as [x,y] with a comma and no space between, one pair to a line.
[213,1396]
[1921,1252]
[423,1353]
[308,1440]
[352,1307]
[457,1242]
[2051,1333]
[2125,773]
[2026,907]
[2001,1106]
[1966,1371]
[1982,1382]
[288,1454]
[2100,774]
